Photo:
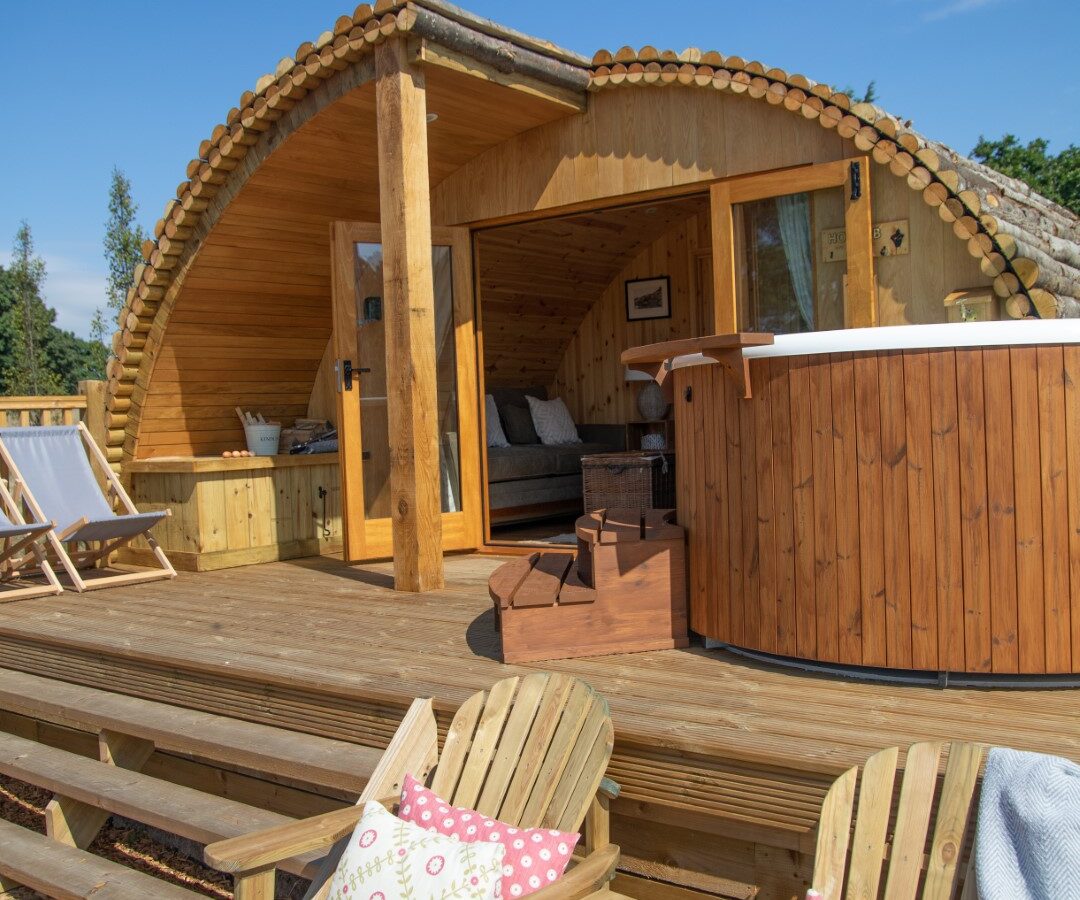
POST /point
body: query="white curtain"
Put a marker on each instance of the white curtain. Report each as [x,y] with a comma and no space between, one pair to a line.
[793,213]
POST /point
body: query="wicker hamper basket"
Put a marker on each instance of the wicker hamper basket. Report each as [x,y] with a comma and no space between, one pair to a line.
[638,479]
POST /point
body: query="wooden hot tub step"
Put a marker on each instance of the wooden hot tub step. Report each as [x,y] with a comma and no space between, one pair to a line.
[625,592]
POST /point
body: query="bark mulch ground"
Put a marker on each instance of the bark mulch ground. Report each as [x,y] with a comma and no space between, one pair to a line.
[24,805]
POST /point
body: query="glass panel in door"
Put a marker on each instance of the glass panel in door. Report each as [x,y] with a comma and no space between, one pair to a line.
[786,281]
[371,377]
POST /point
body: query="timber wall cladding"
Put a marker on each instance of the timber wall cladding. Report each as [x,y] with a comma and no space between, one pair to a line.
[590,378]
[915,510]
[227,515]
[637,139]
[539,281]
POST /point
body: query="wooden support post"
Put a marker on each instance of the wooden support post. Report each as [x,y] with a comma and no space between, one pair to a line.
[860,287]
[94,416]
[257,885]
[409,304]
[94,392]
[598,823]
[76,823]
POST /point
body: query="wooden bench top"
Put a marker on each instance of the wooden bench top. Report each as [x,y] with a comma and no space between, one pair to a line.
[57,870]
[542,579]
[262,748]
[192,814]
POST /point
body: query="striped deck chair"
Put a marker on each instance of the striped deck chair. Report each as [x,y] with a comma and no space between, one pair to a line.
[21,552]
[50,469]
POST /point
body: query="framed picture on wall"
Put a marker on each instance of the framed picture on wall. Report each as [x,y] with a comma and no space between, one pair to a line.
[648,298]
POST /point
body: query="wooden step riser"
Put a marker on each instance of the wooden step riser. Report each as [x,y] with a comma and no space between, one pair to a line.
[727,799]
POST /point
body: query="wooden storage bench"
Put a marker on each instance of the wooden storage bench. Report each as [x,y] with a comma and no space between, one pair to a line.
[625,591]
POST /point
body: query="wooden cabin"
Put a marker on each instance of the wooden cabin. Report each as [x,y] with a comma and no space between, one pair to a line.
[422,208]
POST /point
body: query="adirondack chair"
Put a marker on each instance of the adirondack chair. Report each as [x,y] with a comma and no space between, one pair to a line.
[531,751]
[883,843]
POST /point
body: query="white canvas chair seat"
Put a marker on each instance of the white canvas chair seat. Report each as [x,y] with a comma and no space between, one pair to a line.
[115,527]
[56,482]
[9,530]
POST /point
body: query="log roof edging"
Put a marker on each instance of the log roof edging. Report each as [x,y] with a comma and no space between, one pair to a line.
[261,120]
[1028,245]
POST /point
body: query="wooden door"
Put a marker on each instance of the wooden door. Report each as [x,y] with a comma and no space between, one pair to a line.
[360,369]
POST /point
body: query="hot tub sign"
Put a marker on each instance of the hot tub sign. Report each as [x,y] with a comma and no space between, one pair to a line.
[889,239]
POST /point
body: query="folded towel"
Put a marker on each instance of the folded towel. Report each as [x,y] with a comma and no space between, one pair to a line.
[1027,842]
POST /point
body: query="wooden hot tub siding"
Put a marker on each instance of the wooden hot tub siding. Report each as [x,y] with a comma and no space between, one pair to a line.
[914,509]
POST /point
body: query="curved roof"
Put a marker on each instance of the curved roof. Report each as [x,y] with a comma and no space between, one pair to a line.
[1028,245]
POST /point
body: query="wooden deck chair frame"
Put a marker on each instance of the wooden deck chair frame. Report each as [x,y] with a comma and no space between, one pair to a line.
[531,750]
[882,843]
[72,559]
[23,554]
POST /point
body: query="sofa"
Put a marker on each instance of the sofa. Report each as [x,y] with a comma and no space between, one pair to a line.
[533,481]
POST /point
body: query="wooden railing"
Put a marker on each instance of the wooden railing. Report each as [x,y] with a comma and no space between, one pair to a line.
[87,406]
[42,410]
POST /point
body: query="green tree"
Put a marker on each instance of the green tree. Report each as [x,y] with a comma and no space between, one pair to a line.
[1056,177]
[868,96]
[27,370]
[123,252]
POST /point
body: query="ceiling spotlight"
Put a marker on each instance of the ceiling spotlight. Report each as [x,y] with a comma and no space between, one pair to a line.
[432,117]
[650,211]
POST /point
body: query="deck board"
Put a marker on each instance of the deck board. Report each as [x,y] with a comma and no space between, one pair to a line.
[736,747]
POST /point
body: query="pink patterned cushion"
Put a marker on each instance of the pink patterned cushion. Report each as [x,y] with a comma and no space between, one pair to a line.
[535,857]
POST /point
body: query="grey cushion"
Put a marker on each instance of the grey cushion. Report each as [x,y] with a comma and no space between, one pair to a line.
[518,425]
[530,491]
[521,461]
[537,461]
[515,396]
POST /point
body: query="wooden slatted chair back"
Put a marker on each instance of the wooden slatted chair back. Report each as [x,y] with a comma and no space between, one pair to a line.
[879,847]
[530,751]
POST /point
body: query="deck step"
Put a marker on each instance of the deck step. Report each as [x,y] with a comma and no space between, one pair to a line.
[192,814]
[290,754]
[60,871]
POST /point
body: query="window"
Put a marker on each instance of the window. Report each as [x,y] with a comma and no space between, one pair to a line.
[773,273]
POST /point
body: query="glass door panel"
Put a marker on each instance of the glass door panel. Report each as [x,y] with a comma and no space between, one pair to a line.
[360,344]
[446,386]
[785,283]
[370,373]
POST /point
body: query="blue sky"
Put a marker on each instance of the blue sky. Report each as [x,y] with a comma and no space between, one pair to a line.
[139,84]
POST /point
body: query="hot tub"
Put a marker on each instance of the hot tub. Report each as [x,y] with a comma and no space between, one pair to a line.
[901,498]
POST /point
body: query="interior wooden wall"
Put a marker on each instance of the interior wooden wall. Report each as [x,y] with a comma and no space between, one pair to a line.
[538,280]
[590,377]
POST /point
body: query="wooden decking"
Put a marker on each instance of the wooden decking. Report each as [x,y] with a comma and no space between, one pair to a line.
[723,763]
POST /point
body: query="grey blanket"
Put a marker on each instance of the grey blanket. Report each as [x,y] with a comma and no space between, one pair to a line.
[1027,842]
